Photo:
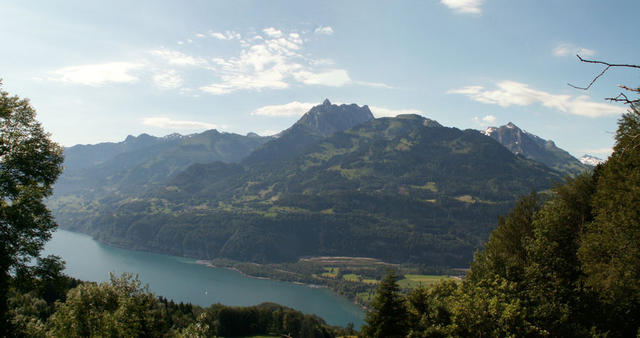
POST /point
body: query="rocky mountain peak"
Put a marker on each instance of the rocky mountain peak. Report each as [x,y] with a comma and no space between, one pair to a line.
[591,160]
[535,148]
[328,118]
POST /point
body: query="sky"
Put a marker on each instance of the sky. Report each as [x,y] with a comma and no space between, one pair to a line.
[98,71]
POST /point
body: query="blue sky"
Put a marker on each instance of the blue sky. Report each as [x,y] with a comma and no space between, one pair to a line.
[99,71]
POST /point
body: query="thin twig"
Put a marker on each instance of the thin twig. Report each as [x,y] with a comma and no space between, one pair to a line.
[592,81]
[609,65]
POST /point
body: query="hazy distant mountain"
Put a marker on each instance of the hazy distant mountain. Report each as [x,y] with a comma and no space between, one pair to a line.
[520,142]
[143,161]
[338,182]
[86,155]
[591,160]
[318,123]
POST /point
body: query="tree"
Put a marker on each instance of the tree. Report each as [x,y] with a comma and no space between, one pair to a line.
[504,254]
[29,165]
[610,247]
[119,308]
[389,317]
[610,250]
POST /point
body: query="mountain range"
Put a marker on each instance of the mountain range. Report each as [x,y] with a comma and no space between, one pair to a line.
[520,142]
[338,182]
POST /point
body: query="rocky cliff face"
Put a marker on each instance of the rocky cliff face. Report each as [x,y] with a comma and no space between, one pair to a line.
[327,118]
[318,123]
[520,142]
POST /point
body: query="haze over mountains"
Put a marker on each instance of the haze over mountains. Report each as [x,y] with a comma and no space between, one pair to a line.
[337,182]
[142,161]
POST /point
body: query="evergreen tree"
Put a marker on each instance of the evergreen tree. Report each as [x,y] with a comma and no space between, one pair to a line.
[389,317]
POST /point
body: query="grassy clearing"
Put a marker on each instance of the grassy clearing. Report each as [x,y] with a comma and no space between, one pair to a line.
[413,281]
[331,272]
[430,186]
[352,277]
[365,297]
[466,199]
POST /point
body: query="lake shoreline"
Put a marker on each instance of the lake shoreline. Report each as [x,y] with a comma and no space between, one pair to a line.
[90,260]
[309,285]
[233,265]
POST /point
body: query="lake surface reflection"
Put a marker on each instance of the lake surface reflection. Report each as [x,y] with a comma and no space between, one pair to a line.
[184,280]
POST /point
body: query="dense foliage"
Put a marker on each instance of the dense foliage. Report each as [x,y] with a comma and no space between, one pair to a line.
[402,189]
[29,165]
[565,264]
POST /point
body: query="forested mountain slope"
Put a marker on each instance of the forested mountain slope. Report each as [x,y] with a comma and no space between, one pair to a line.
[402,189]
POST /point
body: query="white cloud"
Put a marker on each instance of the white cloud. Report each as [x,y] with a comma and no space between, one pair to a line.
[275,62]
[564,49]
[487,120]
[332,78]
[464,6]
[511,93]
[167,123]
[97,74]
[373,84]
[386,112]
[272,32]
[326,30]
[294,108]
[267,132]
[227,35]
[200,35]
[169,79]
[601,152]
[178,58]
[218,35]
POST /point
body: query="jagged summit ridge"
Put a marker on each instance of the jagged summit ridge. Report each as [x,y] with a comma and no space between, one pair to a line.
[535,148]
[328,118]
[319,122]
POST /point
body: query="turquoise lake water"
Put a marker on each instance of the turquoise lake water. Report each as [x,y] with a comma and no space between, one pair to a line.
[184,280]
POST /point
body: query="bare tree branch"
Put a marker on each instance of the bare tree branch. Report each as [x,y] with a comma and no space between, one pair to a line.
[622,97]
[609,65]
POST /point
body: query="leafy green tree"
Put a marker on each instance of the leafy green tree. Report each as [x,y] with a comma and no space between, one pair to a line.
[389,316]
[430,310]
[552,274]
[198,329]
[29,165]
[505,254]
[28,313]
[490,308]
[120,308]
[610,250]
